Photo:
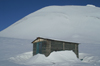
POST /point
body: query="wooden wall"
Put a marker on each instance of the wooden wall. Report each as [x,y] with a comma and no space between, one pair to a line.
[49,46]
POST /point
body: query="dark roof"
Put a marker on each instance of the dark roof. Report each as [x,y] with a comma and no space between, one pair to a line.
[53,40]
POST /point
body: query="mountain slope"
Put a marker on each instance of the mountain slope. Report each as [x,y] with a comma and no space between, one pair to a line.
[71,23]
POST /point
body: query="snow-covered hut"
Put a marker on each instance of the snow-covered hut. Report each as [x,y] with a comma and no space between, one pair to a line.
[46,46]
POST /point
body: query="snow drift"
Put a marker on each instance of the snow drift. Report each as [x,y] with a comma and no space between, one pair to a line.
[88,58]
[54,57]
[62,56]
[58,57]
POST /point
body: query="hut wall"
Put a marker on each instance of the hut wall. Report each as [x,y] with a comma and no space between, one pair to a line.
[47,46]
[56,46]
[43,49]
[39,47]
[34,48]
[76,50]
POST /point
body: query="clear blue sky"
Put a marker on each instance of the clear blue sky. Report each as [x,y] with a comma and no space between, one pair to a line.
[13,10]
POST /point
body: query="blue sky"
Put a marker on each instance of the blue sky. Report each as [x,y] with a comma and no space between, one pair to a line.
[13,10]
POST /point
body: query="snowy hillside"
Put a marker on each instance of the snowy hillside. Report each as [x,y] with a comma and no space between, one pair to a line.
[10,47]
[69,23]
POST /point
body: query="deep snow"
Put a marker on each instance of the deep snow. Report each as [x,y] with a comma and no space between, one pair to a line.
[69,23]
[53,58]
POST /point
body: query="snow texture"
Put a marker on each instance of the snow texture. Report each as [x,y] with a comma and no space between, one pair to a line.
[68,23]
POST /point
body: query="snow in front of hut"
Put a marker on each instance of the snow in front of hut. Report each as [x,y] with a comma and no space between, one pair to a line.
[53,58]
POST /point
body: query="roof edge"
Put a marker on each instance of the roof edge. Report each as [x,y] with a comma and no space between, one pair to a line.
[52,40]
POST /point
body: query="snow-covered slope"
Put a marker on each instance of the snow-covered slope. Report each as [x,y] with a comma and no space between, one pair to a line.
[69,23]
[11,46]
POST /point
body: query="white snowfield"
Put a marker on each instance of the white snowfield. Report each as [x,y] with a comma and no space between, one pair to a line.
[68,23]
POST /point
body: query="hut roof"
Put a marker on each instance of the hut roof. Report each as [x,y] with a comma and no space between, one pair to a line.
[41,39]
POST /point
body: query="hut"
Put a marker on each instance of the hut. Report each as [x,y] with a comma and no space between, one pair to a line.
[46,46]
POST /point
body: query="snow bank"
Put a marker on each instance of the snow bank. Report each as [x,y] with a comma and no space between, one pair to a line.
[62,56]
[88,58]
[38,59]
[21,57]
[54,57]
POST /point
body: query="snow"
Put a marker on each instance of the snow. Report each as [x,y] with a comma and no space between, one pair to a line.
[38,59]
[54,57]
[68,23]
[58,57]
[21,57]
[88,58]
[62,56]
[10,47]
[90,5]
